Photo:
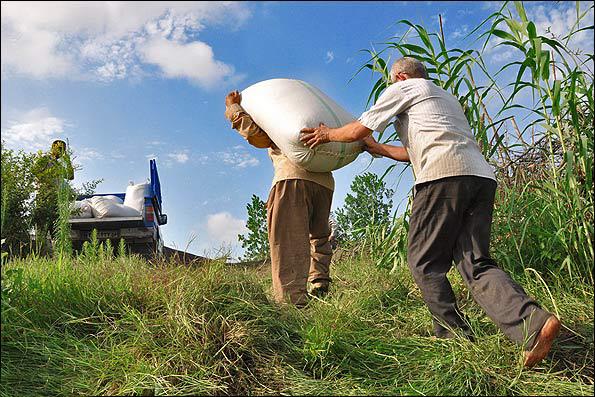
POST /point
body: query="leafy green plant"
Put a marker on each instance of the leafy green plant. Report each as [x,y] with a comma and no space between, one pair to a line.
[369,204]
[88,188]
[16,204]
[256,242]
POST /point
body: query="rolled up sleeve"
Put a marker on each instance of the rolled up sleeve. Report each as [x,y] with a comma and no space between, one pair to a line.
[245,125]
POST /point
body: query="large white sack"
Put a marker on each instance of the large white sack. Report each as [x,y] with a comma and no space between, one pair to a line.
[114,198]
[81,209]
[282,107]
[135,196]
[107,208]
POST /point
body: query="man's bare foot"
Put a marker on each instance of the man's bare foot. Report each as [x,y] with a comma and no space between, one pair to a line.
[543,343]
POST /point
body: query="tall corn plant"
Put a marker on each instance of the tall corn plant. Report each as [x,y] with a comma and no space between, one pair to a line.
[548,159]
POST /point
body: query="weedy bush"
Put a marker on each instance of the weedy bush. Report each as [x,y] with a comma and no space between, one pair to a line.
[15,209]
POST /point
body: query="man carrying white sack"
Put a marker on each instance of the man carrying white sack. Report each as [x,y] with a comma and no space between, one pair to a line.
[298,211]
[452,207]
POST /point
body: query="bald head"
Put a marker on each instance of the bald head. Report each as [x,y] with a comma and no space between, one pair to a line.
[409,66]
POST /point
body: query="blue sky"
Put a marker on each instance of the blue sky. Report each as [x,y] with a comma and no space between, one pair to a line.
[125,82]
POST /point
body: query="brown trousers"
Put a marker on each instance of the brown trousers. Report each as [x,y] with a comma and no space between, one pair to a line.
[298,215]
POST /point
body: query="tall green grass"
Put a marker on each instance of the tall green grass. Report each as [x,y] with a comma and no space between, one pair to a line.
[109,325]
[542,147]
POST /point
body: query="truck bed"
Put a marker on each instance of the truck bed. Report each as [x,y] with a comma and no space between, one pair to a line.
[106,223]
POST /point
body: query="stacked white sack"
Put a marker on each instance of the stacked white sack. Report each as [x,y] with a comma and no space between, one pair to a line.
[135,196]
[114,198]
[108,207]
[81,209]
[282,107]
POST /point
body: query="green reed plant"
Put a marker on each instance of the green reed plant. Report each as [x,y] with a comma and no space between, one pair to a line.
[545,163]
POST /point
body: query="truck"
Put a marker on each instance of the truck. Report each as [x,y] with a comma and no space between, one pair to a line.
[141,233]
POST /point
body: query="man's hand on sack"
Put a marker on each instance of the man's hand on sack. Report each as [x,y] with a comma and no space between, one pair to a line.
[313,137]
[233,97]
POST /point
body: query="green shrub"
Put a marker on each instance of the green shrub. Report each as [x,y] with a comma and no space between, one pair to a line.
[256,242]
[16,203]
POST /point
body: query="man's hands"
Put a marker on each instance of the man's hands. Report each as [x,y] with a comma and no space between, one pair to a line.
[233,97]
[373,147]
[398,153]
[313,137]
[370,145]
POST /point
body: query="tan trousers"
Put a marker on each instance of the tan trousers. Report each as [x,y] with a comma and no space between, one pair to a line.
[298,214]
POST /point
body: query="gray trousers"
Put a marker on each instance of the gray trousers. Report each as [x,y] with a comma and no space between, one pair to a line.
[451,221]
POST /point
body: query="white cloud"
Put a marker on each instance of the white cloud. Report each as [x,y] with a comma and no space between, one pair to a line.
[557,20]
[33,130]
[179,157]
[436,19]
[107,40]
[464,12]
[330,56]
[194,61]
[491,5]
[87,154]
[239,159]
[551,20]
[460,32]
[223,228]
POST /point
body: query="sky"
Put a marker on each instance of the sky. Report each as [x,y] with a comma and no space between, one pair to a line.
[125,82]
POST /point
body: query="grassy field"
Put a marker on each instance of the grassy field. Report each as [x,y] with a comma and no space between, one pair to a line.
[102,325]
[96,324]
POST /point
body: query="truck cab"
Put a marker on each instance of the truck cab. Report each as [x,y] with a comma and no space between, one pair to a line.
[141,233]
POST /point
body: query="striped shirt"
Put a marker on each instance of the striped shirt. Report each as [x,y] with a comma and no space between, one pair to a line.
[433,129]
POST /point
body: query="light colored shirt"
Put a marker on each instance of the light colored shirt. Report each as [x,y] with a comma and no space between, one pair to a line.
[284,168]
[432,128]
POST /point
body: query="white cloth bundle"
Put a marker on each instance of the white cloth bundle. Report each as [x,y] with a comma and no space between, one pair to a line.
[114,198]
[106,207]
[81,209]
[135,196]
[282,107]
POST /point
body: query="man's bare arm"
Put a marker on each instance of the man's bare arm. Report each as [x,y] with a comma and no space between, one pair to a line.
[350,132]
[398,153]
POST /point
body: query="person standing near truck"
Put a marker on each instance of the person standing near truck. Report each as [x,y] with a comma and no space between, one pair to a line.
[298,211]
[51,171]
[452,207]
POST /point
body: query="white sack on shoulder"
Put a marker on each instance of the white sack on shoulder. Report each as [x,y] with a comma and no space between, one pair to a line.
[81,209]
[282,107]
[135,196]
[107,208]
